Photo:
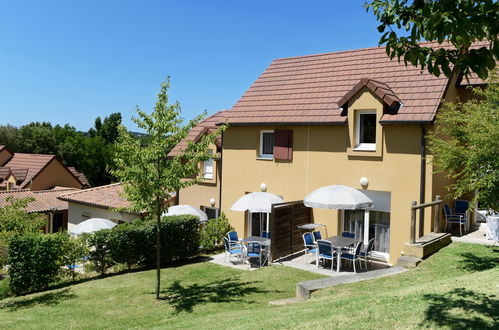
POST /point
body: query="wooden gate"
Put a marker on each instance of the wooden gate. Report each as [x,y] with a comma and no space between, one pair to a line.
[286,238]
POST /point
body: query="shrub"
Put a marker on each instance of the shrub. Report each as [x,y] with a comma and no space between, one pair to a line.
[179,238]
[99,253]
[214,231]
[128,243]
[74,252]
[35,261]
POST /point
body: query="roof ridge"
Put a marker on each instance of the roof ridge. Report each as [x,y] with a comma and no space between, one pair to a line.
[92,189]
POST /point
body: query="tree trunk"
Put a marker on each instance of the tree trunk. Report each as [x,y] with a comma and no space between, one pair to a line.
[158,253]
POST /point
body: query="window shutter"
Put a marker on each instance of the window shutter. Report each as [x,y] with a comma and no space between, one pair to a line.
[283,144]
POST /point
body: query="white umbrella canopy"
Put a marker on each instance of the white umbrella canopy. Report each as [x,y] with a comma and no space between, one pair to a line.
[256,202]
[186,209]
[92,225]
[338,197]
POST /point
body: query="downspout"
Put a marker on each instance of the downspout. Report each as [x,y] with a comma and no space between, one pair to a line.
[422,183]
[220,183]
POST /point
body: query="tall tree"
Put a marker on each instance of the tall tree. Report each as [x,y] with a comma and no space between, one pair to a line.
[465,145]
[405,23]
[148,175]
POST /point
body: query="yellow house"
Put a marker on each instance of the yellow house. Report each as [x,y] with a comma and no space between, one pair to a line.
[353,118]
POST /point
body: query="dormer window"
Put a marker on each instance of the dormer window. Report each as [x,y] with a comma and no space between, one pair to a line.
[366,130]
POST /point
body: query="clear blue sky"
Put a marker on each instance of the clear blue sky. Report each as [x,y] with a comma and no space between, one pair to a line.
[71,61]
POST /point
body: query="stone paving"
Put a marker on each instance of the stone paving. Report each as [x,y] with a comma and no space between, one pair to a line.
[478,236]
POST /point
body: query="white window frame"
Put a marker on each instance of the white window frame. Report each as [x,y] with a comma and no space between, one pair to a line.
[261,154]
[208,175]
[363,146]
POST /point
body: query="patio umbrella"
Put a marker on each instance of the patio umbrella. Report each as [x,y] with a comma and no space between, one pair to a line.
[186,209]
[92,225]
[257,202]
[338,197]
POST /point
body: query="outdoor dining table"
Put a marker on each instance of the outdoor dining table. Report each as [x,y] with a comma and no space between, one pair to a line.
[340,242]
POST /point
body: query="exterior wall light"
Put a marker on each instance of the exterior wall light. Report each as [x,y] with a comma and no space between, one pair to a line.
[212,202]
[263,187]
[364,182]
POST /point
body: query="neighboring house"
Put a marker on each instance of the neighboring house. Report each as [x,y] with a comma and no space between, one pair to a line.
[36,172]
[45,203]
[206,194]
[98,202]
[334,118]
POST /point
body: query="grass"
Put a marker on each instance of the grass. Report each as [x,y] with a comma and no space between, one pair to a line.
[455,288]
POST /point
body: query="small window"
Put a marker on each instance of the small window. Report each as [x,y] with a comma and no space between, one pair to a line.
[208,167]
[267,144]
[366,130]
[10,185]
[211,212]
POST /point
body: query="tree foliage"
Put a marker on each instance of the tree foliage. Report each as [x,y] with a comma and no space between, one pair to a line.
[465,145]
[149,175]
[405,23]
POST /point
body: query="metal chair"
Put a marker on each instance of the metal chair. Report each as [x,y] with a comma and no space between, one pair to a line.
[347,234]
[255,250]
[325,251]
[233,238]
[353,257]
[233,250]
[308,243]
[266,234]
[452,218]
[317,235]
[368,252]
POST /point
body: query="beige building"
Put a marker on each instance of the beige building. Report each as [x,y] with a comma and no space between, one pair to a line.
[337,118]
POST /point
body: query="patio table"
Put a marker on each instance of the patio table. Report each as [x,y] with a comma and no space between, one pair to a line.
[340,242]
[257,239]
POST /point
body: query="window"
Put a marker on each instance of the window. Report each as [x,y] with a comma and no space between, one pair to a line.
[211,212]
[208,167]
[267,144]
[366,130]
[10,185]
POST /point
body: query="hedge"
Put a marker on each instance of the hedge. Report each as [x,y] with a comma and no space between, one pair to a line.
[35,261]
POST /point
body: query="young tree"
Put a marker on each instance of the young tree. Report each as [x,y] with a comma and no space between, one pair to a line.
[148,175]
[465,145]
[405,23]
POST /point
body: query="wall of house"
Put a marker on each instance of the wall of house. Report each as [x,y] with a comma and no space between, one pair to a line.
[323,156]
[78,213]
[55,174]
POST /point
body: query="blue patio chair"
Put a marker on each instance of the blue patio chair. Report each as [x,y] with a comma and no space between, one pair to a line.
[367,252]
[317,235]
[461,207]
[308,244]
[353,257]
[325,251]
[347,234]
[452,218]
[233,238]
[266,234]
[256,250]
[230,250]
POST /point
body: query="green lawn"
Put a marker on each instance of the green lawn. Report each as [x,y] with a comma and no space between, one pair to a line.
[455,288]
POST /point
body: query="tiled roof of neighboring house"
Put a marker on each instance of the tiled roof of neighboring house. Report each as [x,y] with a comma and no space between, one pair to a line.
[81,176]
[310,89]
[45,200]
[108,197]
[31,163]
[207,125]
[4,173]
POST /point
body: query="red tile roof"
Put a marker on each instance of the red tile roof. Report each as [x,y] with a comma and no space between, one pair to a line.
[311,89]
[45,200]
[31,163]
[207,125]
[81,176]
[108,197]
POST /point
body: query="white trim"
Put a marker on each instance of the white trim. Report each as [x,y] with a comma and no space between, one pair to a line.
[261,154]
[363,146]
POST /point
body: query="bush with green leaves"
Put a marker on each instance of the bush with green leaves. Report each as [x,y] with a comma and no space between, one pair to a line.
[35,261]
[213,231]
[128,243]
[75,250]
[100,250]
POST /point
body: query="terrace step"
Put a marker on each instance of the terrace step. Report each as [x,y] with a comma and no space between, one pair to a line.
[408,261]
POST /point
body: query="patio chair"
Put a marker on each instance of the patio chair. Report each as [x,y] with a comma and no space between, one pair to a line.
[325,251]
[353,257]
[347,234]
[452,218]
[256,250]
[367,252]
[317,235]
[461,207]
[266,234]
[237,250]
[308,243]
[233,238]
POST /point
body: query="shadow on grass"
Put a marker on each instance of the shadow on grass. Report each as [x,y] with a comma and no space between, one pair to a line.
[46,299]
[462,309]
[185,298]
[473,263]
